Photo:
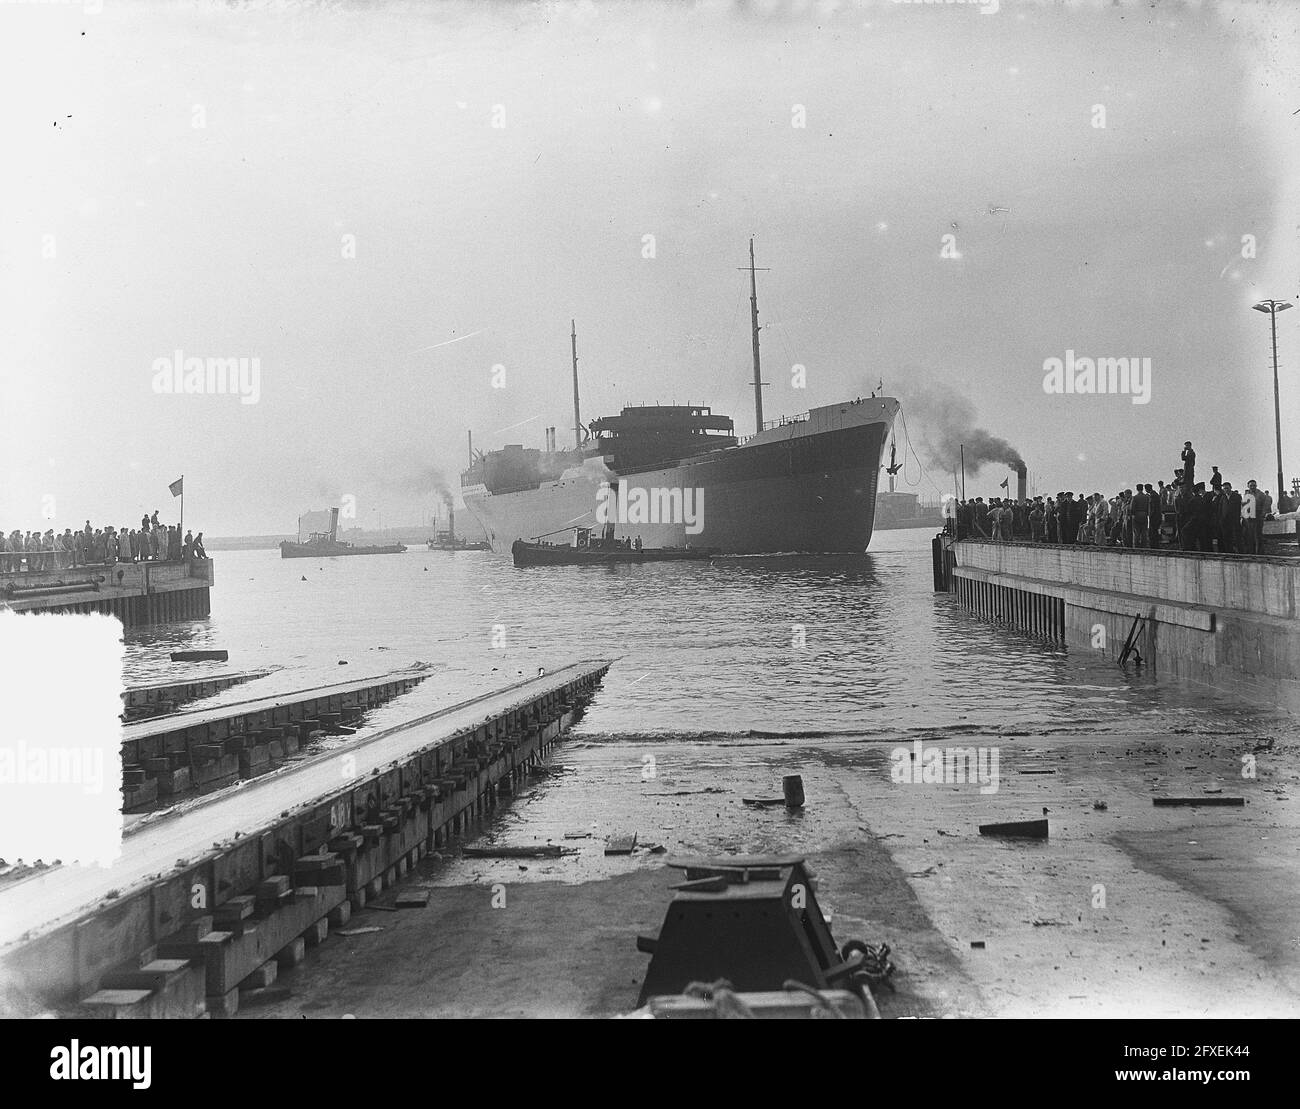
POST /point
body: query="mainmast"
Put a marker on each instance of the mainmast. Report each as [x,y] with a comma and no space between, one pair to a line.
[753,314]
[577,418]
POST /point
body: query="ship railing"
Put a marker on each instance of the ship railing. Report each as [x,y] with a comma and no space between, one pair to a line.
[768,425]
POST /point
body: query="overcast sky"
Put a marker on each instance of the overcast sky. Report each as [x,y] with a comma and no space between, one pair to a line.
[197,177]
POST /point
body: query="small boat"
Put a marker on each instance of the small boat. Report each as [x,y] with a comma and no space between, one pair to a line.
[589,550]
[441,542]
[449,541]
[327,544]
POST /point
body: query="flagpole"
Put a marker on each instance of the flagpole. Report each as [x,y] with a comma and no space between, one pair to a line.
[182,506]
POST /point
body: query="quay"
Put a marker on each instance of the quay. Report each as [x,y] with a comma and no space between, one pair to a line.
[206,902]
[161,698]
[136,593]
[209,748]
[1223,620]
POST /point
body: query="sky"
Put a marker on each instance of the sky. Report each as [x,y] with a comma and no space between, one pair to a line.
[397,210]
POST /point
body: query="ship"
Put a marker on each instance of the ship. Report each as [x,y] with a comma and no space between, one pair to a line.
[678,476]
[448,540]
[586,549]
[326,544]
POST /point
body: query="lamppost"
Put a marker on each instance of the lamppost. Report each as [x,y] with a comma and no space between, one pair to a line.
[1273,307]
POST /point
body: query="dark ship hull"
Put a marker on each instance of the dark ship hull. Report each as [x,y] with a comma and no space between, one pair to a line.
[806,486]
[333,550]
[564,554]
[457,545]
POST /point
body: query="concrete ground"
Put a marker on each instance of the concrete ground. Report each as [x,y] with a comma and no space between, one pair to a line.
[1126,910]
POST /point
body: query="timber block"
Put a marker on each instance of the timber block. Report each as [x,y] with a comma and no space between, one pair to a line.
[292,954]
[137,796]
[223,1005]
[340,915]
[234,915]
[178,993]
[273,887]
[194,931]
[254,760]
[117,1005]
[265,975]
[316,932]
[173,781]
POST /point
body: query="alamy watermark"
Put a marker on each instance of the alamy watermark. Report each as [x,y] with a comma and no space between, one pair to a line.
[951,766]
[1098,375]
[22,765]
[653,505]
[209,376]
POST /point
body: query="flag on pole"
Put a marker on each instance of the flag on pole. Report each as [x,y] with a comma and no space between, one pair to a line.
[1004,484]
[178,486]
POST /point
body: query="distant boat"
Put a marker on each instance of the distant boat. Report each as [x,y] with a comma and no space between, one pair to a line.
[449,541]
[589,550]
[327,544]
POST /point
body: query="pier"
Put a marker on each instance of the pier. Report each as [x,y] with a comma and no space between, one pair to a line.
[135,592]
[205,903]
[161,698]
[1229,621]
[206,749]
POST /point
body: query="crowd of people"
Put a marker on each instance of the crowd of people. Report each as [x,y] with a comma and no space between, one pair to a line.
[1185,514]
[153,541]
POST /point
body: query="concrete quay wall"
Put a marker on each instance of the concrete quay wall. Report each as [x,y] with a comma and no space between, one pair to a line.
[1228,621]
[136,593]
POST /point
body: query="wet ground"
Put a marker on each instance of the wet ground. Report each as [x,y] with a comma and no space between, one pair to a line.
[1130,909]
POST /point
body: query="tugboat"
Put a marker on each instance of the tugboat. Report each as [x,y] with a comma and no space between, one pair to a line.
[448,541]
[326,544]
[589,550]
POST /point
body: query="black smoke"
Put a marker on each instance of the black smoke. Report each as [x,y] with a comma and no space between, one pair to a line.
[942,422]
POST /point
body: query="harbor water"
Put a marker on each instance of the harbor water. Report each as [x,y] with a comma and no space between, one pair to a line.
[792,647]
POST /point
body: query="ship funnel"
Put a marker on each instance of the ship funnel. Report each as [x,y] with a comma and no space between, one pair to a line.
[1022,472]
[334,525]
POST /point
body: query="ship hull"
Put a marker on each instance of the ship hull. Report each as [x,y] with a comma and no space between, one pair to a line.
[306,550]
[540,554]
[806,486]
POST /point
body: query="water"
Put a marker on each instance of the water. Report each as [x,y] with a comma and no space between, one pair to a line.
[700,648]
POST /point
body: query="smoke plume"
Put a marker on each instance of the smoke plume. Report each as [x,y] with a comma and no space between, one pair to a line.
[942,422]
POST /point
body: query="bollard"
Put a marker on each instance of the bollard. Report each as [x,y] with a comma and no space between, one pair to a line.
[792,787]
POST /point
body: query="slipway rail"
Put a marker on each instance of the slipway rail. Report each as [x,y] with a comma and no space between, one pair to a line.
[268,862]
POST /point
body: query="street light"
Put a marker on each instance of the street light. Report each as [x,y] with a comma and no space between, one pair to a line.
[1273,307]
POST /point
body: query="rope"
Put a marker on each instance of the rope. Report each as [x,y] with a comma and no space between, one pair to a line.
[907,438]
[823,1009]
[727,1003]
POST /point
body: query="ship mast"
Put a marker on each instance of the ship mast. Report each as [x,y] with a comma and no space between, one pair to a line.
[577,418]
[753,315]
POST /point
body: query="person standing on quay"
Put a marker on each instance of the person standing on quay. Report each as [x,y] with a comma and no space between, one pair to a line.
[1216,479]
[1250,532]
[1153,517]
[1139,515]
[1189,465]
[1229,520]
